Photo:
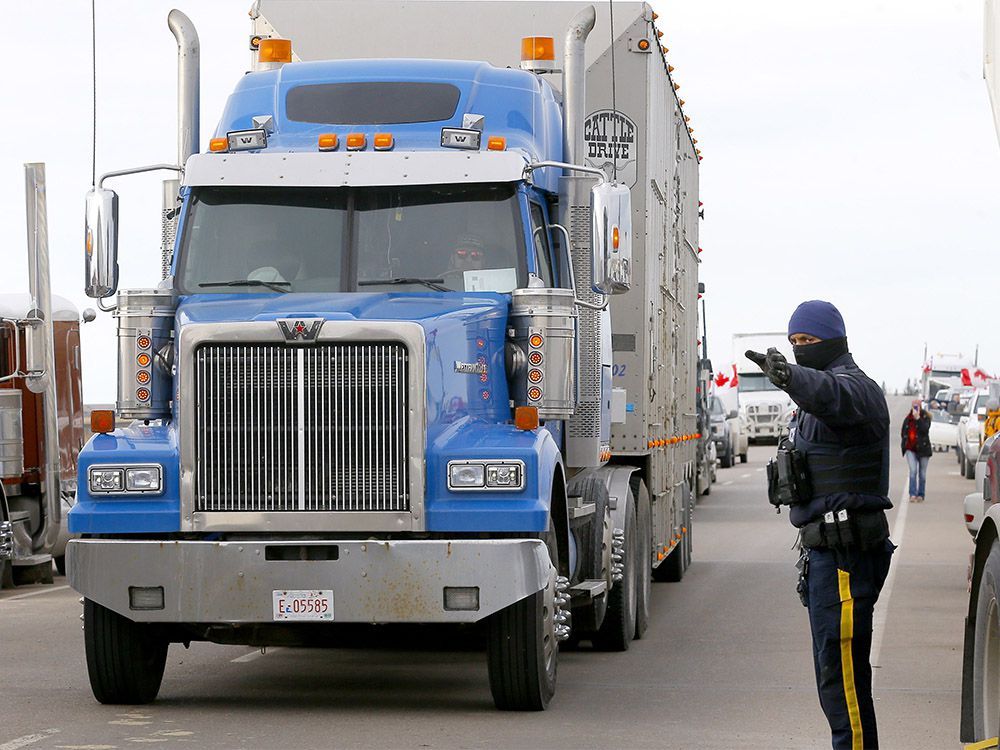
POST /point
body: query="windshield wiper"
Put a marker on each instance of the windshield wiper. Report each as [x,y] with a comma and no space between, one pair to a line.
[277,286]
[435,284]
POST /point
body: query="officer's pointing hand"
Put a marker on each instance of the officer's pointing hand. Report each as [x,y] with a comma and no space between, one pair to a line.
[774,365]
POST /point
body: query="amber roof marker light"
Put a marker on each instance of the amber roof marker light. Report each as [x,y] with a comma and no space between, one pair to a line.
[538,54]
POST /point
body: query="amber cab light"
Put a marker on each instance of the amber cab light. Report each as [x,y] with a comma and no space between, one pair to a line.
[526,417]
[275,51]
[356,141]
[102,421]
[218,144]
[383,141]
[327,142]
[615,238]
[538,54]
[497,143]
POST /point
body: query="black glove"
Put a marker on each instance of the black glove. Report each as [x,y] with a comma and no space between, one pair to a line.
[774,365]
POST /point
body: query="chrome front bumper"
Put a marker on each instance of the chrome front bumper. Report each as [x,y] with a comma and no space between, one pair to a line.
[372,581]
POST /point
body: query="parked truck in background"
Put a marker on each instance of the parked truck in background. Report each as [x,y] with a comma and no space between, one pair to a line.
[765,408]
[41,411]
[424,349]
[981,657]
[945,371]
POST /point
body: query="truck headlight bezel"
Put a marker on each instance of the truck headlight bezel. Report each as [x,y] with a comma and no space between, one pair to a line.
[125,479]
[486,475]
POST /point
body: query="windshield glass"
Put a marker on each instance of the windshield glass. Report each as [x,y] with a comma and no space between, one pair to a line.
[254,239]
[946,373]
[751,382]
[716,406]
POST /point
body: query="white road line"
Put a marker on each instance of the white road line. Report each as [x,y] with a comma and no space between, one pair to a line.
[28,739]
[745,476]
[25,596]
[253,655]
[728,481]
[882,609]
[761,469]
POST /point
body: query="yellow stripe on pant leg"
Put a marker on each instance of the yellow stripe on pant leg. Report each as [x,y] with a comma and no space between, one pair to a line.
[847,657]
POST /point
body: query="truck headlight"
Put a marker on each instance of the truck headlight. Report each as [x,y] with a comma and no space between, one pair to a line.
[485,475]
[125,480]
[106,480]
[143,479]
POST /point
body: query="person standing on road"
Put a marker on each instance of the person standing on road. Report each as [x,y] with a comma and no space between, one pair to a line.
[839,446]
[917,450]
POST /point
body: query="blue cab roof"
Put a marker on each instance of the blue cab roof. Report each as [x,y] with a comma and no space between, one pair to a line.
[516,104]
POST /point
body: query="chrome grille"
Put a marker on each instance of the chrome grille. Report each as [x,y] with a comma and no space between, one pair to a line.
[311,428]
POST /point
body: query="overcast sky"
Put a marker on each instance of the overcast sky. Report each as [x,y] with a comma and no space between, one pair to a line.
[849,155]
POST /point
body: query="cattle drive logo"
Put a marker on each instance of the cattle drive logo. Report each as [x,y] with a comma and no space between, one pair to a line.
[610,144]
[300,331]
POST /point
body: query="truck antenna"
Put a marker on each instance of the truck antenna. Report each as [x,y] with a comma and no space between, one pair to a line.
[614,102]
[93,70]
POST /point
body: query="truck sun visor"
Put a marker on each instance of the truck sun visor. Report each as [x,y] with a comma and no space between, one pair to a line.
[371,103]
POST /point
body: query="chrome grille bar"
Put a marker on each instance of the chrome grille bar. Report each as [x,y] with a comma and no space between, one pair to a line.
[318,428]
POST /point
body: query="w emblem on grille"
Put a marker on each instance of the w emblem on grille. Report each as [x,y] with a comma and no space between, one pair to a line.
[300,331]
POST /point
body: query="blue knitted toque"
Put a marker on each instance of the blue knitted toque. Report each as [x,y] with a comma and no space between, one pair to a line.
[817,318]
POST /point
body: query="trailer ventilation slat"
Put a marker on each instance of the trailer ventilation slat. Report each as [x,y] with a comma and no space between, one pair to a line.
[317,428]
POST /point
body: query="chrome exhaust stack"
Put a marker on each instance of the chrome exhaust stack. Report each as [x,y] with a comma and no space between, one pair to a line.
[188,123]
[40,359]
[575,82]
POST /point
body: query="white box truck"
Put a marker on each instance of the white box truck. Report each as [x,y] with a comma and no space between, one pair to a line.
[764,407]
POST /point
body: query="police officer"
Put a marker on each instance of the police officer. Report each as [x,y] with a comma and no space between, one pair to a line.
[840,436]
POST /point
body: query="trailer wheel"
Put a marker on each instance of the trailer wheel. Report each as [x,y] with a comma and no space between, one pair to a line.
[986,666]
[644,555]
[125,659]
[618,628]
[522,652]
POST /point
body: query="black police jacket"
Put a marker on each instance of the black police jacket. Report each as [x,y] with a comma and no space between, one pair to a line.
[841,412]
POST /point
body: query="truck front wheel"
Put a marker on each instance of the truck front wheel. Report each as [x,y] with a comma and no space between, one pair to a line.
[522,652]
[986,659]
[125,659]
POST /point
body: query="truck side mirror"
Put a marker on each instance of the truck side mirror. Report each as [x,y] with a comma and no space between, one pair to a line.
[101,243]
[611,216]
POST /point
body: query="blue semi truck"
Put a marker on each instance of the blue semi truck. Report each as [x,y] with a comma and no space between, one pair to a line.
[424,347]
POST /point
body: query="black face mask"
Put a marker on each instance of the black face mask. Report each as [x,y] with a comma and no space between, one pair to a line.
[819,355]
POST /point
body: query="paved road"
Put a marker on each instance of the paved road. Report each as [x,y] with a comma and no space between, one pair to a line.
[726,663]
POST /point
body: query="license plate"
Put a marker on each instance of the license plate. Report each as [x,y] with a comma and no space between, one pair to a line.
[303,605]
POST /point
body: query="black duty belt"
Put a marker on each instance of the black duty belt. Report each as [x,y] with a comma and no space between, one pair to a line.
[860,473]
[842,529]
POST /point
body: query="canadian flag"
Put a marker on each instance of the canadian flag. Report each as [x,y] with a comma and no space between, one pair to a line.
[981,374]
[721,379]
[735,380]
[966,378]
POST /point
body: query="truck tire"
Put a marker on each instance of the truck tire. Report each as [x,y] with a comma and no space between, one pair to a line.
[726,460]
[970,469]
[618,628]
[644,555]
[125,659]
[743,458]
[986,654]
[6,575]
[522,652]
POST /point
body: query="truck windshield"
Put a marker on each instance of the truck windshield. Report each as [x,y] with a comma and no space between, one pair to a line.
[755,381]
[466,238]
